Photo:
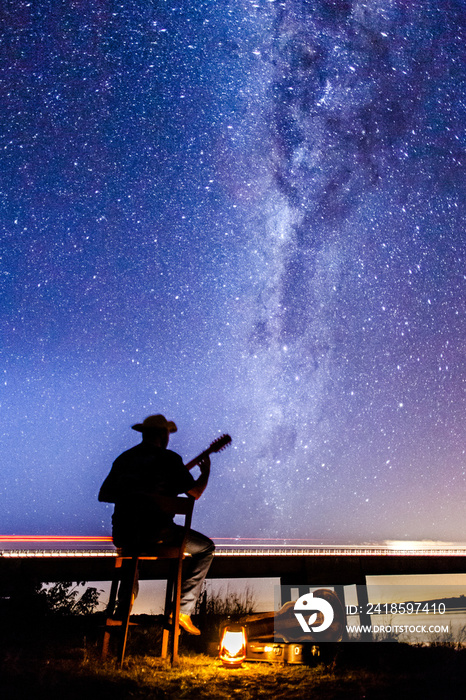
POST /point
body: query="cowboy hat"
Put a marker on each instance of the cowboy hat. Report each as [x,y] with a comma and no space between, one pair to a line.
[157,421]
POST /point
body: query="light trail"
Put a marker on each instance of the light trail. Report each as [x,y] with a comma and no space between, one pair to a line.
[102,546]
[54,538]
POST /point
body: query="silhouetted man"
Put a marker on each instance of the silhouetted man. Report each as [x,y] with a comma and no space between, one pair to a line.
[137,477]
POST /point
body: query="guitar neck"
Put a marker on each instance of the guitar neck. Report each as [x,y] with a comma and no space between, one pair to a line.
[199,458]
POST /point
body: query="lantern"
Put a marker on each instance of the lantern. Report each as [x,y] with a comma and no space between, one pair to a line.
[233,645]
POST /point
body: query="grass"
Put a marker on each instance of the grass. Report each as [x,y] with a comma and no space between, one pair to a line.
[204,678]
[62,661]
[198,676]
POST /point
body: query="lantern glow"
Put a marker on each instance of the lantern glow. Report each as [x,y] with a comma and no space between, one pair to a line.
[233,646]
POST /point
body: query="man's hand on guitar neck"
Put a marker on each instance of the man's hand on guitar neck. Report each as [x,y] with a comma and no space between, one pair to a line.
[201,482]
[204,465]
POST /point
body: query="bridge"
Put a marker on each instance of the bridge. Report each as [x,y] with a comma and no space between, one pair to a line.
[298,565]
[56,558]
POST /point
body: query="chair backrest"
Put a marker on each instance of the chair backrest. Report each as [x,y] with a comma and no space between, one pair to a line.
[178,505]
[172,505]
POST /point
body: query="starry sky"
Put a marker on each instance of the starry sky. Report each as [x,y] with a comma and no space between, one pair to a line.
[246,215]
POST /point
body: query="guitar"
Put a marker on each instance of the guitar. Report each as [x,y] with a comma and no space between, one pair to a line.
[215,446]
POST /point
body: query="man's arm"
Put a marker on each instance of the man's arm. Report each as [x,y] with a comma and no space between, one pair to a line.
[200,483]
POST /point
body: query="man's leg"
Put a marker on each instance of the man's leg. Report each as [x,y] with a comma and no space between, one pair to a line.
[201,549]
[195,568]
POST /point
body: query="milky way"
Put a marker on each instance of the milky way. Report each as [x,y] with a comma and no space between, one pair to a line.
[247,216]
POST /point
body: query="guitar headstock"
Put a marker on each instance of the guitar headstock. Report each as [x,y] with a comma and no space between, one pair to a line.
[220,443]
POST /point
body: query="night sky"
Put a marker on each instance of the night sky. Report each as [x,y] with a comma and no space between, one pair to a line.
[247,215]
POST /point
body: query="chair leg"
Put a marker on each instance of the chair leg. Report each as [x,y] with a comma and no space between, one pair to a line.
[111,606]
[172,607]
[168,622]
[176,610]
[126,608]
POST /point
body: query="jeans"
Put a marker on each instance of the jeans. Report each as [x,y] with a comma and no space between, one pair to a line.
[195,569]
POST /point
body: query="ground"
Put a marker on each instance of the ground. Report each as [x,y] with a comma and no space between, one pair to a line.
[53,658]
[204,678]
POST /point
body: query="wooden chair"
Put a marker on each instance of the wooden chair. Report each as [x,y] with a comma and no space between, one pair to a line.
[126,572]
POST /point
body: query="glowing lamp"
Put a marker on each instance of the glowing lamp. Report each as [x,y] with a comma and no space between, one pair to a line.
[233,645]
